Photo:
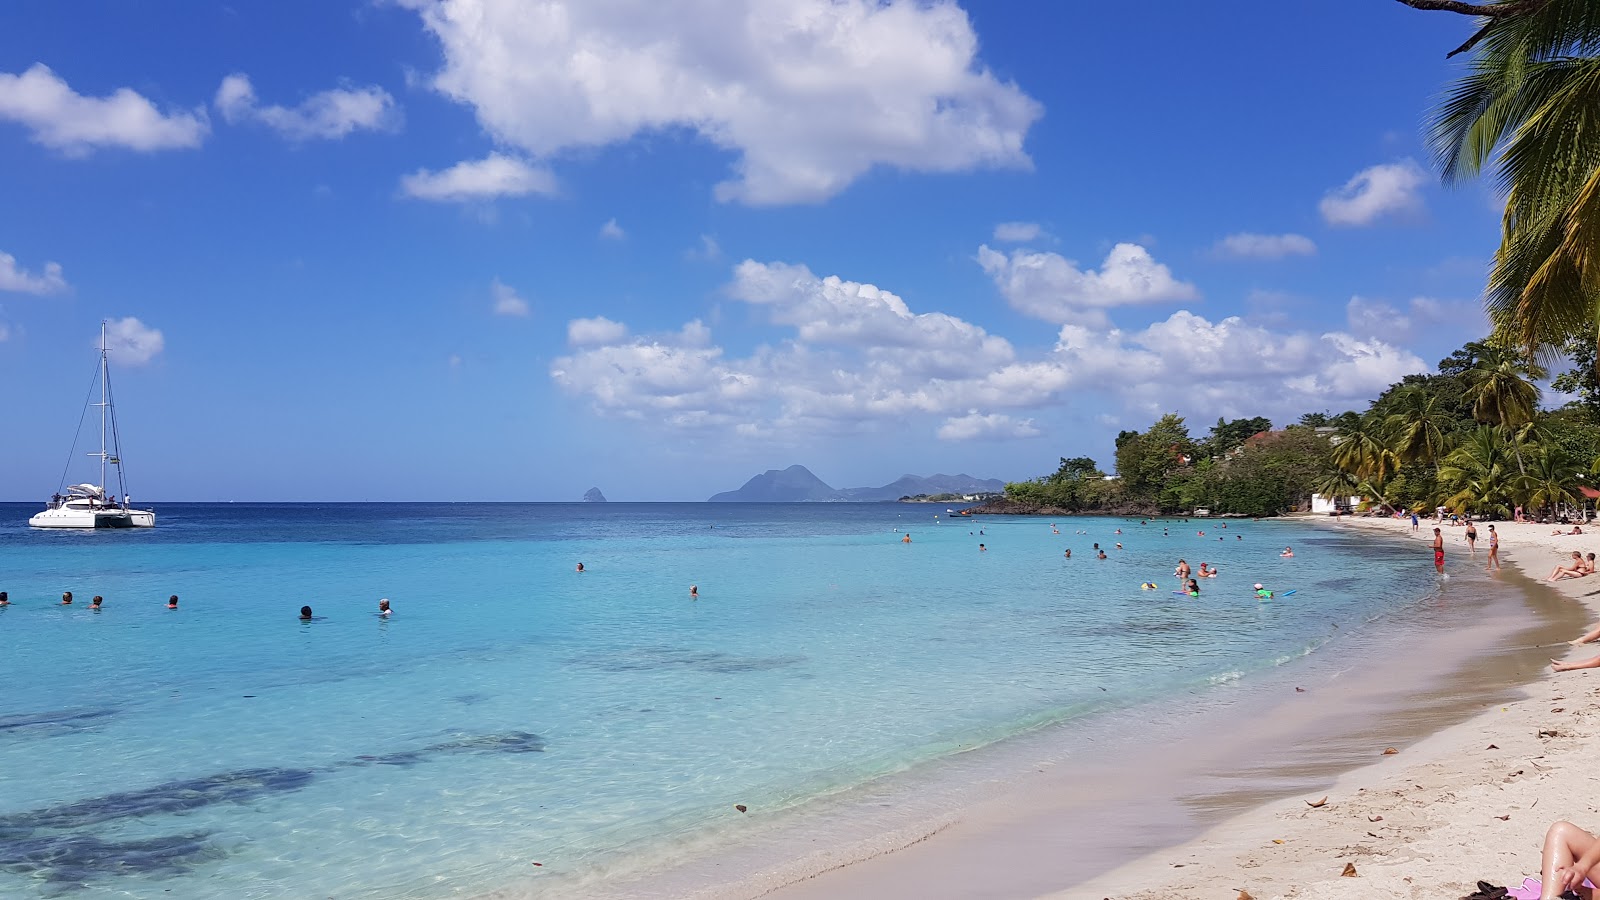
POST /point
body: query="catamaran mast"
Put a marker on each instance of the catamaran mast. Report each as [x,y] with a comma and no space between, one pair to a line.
[102,408]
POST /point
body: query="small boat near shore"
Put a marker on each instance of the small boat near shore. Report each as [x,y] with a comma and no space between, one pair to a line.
[89,505]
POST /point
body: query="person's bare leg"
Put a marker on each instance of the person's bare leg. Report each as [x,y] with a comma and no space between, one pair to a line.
[1580,664]
[1564,843]
[1589,638]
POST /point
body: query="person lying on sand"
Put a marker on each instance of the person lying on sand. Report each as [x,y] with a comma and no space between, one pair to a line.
[1575,530]
[1574,570]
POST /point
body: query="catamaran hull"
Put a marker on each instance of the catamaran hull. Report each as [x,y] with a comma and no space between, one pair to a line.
[84,518]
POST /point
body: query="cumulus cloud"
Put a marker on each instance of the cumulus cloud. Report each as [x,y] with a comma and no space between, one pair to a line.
[18,280]
[598,330]
[62,119]
[1378,192]
[611,231]
[1264,246]
[1016,232]
[506,301]
[1050,287]
[807,94]
[131,342]
[994,426]
[330,114]
[494,176]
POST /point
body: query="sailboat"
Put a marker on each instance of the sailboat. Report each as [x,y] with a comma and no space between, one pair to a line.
[90,505]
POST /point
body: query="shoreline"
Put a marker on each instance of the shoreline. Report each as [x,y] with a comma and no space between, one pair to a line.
[1471,801]
[980,834]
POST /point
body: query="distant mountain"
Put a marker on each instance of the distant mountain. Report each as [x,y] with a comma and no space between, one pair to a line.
[593,495]
[790,485]
[796,484]
[912,485]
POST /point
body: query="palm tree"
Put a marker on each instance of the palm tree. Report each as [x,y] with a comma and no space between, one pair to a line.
[1531,103]
[1362,452]
[1551,479]
[1417,428]
[1336,484]
[1502,391]
[1479,471]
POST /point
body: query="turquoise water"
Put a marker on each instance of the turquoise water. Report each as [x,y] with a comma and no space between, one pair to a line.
[513,711]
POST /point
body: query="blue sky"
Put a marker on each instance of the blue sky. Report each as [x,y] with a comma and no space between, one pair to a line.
[485,249]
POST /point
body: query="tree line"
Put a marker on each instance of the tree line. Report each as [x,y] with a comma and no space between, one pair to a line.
[1471,437]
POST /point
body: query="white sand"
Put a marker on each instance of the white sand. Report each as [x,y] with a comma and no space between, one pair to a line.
[1430,821]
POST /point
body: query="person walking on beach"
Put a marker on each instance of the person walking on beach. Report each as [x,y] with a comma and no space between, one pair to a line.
[1494,550]
[1472,538]
[1413,523]
[1438,549]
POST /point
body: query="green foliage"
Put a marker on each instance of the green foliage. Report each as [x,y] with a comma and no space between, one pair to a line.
[1470,436]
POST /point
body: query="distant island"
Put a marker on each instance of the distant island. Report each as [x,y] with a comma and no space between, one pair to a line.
[593,495]
[796,484]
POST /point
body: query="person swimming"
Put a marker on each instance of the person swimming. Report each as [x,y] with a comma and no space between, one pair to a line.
[66,598]
[1119,545]
[1261,592]
[95,603]
[1102,555]
[1194,588]
[694,592]
[1069,553]
[383,607]
[4,600]
[1148,586]
[305,613]
[172,602]
[580,567]
[1287,552]
[906,539]
[982,549]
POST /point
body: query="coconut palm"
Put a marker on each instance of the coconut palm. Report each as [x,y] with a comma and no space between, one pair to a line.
[1551,479]
[1480,471]
[1531,104]
[1336,484]
[1362,451]
[1502,391]
[1418,428]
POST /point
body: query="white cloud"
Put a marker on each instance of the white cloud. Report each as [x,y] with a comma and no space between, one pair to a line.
[611,231]
[1050,287]
[330,114]
[994,426]
[1016,232]
[808,94]
[1379,319]
[65,120]
[598,330]
[1264,246]
[506,301]
[496,175]
[131,342]
[1377,192]
[22,281]
[858,358]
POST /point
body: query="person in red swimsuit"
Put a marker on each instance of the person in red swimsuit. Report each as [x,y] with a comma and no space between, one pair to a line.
[1438,551]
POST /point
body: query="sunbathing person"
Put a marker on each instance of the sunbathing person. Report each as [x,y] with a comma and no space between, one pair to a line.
[1568,856]
[1572,570]
[1558,666]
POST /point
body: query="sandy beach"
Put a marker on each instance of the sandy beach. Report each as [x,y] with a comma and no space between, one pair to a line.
[1470,802]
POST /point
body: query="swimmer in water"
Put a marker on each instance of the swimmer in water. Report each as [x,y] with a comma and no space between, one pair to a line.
[4,600]
[1069,553]
[1148,586]
[1102,554]
[1182,571]
[906,539]
[1262,593]
[66,598]
[305,613]
[383,607]
[1287,552]
[95,603]
[694,592]
[580,567]
[172,602]
[982,549]
[1193,588]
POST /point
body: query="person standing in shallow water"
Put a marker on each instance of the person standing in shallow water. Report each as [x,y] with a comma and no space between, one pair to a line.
[1494,550]
[1438,551]
[1472,538]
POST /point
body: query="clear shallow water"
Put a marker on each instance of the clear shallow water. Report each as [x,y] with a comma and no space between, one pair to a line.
[513,711]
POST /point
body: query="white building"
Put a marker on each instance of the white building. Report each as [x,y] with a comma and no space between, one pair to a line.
[1324,505]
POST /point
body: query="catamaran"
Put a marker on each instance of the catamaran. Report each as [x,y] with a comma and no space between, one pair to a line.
[89,505]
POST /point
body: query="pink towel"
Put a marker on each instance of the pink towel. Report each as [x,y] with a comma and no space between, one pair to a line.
[1531,887]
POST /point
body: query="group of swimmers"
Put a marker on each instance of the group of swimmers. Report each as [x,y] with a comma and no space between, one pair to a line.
[96,604]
